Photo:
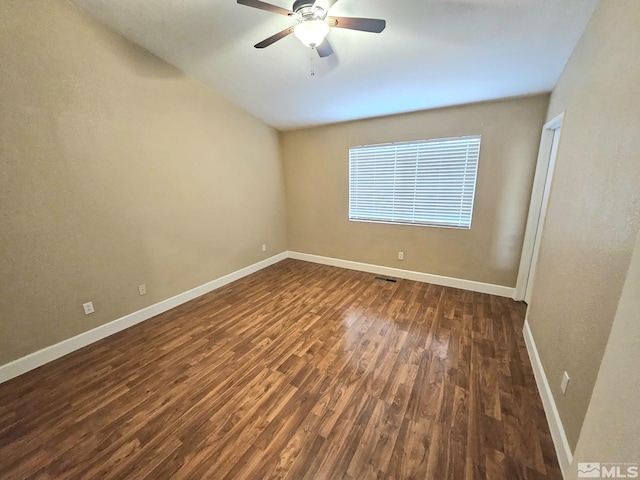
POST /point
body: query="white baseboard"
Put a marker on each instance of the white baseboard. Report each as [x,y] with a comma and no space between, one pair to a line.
[48,354]
[563,450]
[498,290]
[53,352]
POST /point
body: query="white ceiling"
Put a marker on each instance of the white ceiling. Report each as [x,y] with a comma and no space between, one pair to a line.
[433,53]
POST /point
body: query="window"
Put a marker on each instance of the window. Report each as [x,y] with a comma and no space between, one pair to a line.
[428,182]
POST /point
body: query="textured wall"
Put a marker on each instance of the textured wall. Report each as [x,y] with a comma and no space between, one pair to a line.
[115,170]
[594,206]
[611,431]
[317,175]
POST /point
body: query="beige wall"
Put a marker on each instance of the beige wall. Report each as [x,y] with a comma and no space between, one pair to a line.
[594,207]
[317,173]
[115,171]
[611,430]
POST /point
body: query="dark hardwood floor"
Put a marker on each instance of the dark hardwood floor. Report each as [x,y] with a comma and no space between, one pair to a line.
[298,371]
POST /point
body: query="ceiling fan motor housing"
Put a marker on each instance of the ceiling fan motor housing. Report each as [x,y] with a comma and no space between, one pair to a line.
[298,4]
[304,9]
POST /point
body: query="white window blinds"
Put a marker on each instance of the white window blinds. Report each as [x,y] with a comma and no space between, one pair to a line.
[429,182]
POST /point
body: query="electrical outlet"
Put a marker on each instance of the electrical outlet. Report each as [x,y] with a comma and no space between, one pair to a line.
[565,382]
[142,289]
[88,308]
[400,255]
[264,247]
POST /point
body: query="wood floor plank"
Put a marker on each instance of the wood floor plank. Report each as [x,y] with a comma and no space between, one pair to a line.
[297,371]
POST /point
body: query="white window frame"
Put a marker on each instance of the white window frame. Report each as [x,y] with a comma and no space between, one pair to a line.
[440,194]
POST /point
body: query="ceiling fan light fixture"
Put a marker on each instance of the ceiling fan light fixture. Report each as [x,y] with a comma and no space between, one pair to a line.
[311,32]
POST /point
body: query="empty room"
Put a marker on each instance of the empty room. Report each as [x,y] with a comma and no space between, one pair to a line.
[319,239]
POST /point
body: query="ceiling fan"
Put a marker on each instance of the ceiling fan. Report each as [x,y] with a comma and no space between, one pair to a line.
[313,23]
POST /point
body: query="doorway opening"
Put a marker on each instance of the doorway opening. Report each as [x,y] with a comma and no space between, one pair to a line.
[538,207]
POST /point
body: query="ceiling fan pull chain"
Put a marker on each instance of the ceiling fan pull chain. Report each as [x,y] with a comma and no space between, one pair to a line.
[313,72]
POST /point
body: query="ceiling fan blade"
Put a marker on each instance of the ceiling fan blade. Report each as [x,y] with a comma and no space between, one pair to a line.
[372,25]
[274,38]
[324,49]
[265,6]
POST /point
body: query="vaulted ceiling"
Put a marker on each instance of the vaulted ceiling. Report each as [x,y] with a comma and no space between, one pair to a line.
[433,53]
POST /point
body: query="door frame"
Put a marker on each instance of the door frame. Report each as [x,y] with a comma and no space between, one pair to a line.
[545,167]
